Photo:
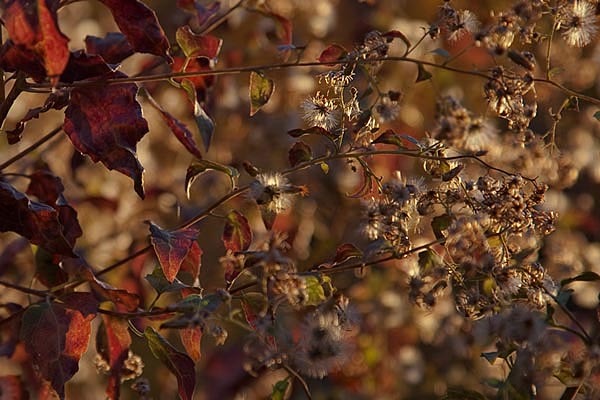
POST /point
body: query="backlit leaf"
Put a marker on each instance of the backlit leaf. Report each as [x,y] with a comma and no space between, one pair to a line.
[105,122]
[194,45]
[196,87]
[14,58]
[181,132]
[439,224]
[198,167]
[113,48]
[237,234]
[261,89]
[36,221]
[205,124]
[172,248]
[180,364]
[191,338]
[33,26]
[390,137]
[56,335]
[139,23]
[345,252]
[315,289]
[332,53]
[112,343]
[158,281]
[299,153]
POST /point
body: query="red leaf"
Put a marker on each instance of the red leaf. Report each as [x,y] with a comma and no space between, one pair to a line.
[191,338]
[32,25]
[172,248]
[237,234]
[123,300]
[194,45]
[181,132]
[105,122]
[14,58]
[200,83]
[38,222]
[139,23]
[191,264]
[55,337]
[332,53]
[180,364]
[112,343]
[113,48]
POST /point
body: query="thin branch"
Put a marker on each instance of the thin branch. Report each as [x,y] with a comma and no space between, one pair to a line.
[23,289]
[299,379]
[31,147]
[15,91]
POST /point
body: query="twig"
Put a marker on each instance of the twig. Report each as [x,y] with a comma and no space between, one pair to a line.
[31,147]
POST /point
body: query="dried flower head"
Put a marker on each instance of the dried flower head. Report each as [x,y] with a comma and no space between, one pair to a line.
[323,347]
[273,191]
[579,23]
[321,111]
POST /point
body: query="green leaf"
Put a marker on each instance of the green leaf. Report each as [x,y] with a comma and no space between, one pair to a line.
[158,281]
[198,167]
[440,223]
[597,115]
[428,260]
[315,289]
[279,389]
[422,74]
[390,137]
[180,364]
[237,234]
[587,276]
[261,89]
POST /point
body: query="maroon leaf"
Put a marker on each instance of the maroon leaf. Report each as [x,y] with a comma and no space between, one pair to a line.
[194,45]
[181,132]
[47,271]
[139,23]
[112,343]
[173,247]
[191,338]
[14,58]
[299,153]
[56,100]
[113,48]
[105,122]
[123,300]
[85,66]
[180,364]
[38,222]
[32,25]
[237,235]
[56,335]
[345,252]
[332,53]
[48,188]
